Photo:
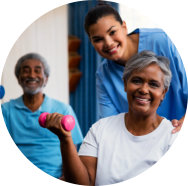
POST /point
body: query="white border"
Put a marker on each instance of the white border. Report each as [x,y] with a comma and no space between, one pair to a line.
[17,15]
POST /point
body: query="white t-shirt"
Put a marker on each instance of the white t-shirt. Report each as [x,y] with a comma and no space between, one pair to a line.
[121,155]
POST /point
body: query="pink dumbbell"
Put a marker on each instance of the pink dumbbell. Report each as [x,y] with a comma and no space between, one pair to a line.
[67,122]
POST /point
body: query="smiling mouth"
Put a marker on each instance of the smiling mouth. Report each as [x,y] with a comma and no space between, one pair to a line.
[31,81]
[142,101]
[112,50]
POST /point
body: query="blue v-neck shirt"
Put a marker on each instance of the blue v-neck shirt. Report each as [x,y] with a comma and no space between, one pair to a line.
[38,144]
[112,98]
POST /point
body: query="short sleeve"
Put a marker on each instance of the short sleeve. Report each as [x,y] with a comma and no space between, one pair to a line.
[5,112]
[89,146]
[171,141]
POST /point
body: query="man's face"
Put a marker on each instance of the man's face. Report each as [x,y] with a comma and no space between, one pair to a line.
[32,78]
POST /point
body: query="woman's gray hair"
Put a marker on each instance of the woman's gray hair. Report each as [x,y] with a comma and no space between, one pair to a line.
[32,56]
[145,58]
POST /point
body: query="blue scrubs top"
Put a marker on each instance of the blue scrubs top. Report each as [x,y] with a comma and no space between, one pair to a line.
[38,144]
[112,98]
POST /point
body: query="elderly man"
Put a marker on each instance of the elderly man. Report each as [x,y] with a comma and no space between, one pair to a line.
[21,115]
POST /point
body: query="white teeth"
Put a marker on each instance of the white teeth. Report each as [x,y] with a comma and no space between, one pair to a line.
[32,81]
[112,50]
[141,99]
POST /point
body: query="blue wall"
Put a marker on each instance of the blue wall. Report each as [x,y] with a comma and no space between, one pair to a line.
[83,100]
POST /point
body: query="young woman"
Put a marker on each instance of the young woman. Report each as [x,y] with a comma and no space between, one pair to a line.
[120,147]
[109,36]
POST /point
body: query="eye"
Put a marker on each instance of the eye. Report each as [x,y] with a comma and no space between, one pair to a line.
[136,80]
[25,70]
[154,84]
[112,32]
[97,40]
[38,70]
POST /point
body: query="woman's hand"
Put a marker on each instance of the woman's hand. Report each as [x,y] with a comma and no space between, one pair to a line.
[177,124]
[53,123]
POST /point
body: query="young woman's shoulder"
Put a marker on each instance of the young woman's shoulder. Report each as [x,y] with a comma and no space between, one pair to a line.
[150,30]
[157,33]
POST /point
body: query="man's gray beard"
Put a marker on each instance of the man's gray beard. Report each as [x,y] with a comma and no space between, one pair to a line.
[33,91]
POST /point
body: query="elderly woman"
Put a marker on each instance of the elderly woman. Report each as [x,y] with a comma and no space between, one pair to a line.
[119,147]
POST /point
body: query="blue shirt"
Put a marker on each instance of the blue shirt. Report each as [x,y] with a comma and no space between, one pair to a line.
[38,144]
[112,98]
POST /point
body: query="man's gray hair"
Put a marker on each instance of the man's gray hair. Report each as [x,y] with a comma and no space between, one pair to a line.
[32,56]
[145,58]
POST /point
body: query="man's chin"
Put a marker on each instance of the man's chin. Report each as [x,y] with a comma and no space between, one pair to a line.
[32,92]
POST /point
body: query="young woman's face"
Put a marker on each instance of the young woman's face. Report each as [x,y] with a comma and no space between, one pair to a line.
[145,90]
[108,37]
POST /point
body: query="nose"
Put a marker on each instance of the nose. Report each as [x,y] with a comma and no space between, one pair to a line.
[144,89]
[108,41]
[32,74]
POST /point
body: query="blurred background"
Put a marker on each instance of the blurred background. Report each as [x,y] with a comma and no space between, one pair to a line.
[59,36]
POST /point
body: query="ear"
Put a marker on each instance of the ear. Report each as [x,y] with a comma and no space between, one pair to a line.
[125,86]
[164,93]
[124,26]
[46,81]
[18,79]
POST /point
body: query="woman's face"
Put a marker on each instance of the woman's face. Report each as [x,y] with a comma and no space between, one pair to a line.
[145,90]
[108,37]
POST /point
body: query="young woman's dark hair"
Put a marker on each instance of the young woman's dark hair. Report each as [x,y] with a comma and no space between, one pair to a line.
[98,12]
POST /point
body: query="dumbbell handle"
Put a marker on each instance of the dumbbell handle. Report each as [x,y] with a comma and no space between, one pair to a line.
[67,121]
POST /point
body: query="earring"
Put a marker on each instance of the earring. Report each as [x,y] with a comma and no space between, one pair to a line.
[161,102]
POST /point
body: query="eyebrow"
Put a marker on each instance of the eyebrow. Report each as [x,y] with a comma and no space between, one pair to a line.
[152,80]
[110,28]
[26,66]
[155,81]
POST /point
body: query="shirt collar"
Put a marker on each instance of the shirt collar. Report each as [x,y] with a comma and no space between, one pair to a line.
[20,104]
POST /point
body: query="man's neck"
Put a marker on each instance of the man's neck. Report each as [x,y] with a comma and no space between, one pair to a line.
[33,102]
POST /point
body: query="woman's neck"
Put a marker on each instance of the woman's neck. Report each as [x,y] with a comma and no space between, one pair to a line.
[132,48]
[140,125]
[33,102]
